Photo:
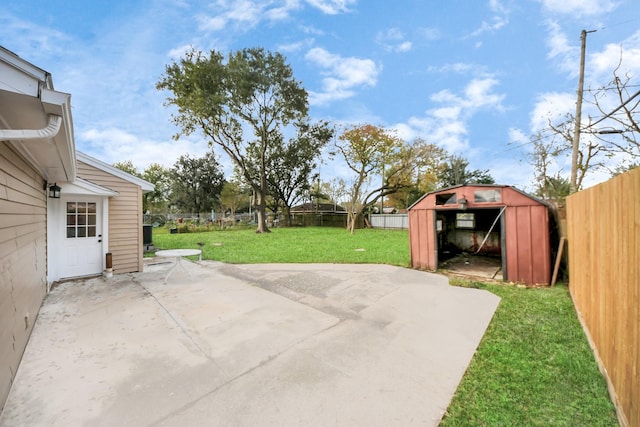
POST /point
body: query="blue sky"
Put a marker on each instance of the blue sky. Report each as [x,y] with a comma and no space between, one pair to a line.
[477,77]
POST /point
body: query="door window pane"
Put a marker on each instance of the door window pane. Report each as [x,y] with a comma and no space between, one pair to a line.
[82,220]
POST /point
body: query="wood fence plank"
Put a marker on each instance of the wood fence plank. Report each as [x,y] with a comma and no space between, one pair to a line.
[603,230]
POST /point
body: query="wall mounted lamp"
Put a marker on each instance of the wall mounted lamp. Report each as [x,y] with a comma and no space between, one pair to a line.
[54,191]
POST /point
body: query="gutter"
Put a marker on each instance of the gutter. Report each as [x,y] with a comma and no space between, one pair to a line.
[53,127]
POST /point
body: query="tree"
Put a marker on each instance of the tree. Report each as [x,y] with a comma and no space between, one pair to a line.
[588,150]
[232,196]
[335,190]
[422,177]
[456,172]
[128,167]
[290,165]
[197,183]
[369,150]
[544,155]
[613,136]
[555,188]
[156,200]
[621,135]
[253,90]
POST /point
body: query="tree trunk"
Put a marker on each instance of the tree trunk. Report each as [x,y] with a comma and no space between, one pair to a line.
[351,221]
[261,211]
[287,214]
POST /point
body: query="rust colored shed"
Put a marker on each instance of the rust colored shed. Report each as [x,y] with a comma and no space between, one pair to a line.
[497,221]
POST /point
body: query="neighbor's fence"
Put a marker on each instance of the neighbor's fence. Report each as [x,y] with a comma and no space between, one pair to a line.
[322,219]
[400,221]
[603,229]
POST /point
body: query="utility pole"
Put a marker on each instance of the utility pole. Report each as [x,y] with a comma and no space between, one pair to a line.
[575,146]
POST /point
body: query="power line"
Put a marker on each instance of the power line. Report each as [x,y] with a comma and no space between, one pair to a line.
[615,109]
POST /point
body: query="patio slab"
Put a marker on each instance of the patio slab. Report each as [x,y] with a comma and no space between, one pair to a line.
[249,345]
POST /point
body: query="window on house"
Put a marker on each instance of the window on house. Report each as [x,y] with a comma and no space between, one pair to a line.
[446,199]
[485,196]
[465,220]
[81,219]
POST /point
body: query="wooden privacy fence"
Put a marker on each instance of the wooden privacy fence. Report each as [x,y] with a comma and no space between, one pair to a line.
[603,230]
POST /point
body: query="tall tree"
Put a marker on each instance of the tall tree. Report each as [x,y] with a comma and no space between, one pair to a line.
[156,200]
[456,172]
[335,190]
[128,167]
[255,90]
[197,183]
[621,125]
[370,151]
[421,177]
[555,188]
[232,196]
[290,165]
[543,156]
[589,149]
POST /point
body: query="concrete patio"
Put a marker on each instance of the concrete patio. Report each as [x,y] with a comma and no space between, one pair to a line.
[188,344]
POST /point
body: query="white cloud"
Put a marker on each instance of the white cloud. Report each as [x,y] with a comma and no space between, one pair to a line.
[498,6]
[114,145]
[460,68]
[430,33]
[332,7]
[446,124]
[579,7]
[624,56]
[551,106]
[393,40]
[517,136]
[342,75]
[296,46]
[178,52]
[244,14]
[567,56]
[40,42]
[496,23]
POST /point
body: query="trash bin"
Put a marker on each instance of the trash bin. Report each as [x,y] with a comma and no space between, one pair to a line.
[147,234]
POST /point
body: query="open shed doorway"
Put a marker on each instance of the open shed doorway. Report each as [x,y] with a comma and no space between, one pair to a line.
[471,242]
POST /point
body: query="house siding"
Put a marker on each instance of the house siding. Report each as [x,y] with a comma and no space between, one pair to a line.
[23,254]
[125,218]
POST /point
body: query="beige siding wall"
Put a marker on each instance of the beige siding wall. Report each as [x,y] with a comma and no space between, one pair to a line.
[23,255]
[125,218]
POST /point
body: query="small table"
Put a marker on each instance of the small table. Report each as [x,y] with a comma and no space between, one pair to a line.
[179,253]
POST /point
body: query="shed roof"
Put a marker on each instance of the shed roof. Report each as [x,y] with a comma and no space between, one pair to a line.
[449,189]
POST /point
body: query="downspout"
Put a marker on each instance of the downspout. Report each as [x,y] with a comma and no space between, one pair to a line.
[49,131]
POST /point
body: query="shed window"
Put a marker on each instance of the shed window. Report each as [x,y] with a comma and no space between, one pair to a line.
[446,199]
[484,196]
[465,220]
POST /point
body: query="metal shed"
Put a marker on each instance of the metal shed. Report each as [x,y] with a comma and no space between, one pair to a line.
[483,221]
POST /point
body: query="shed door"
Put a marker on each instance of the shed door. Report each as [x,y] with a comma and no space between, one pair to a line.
[82,242]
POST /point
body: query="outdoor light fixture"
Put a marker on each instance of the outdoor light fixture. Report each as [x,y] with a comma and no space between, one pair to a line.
[54,191]
[462,204]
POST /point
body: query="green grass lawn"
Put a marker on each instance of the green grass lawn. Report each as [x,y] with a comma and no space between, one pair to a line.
[533,367]
[295,245]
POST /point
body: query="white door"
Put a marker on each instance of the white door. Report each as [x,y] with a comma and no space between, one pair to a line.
[82,241]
